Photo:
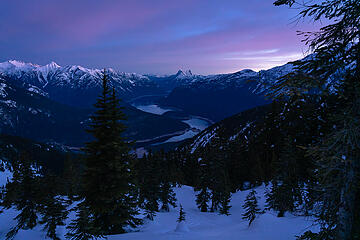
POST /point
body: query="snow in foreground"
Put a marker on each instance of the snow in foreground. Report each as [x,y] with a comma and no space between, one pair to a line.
[198,225]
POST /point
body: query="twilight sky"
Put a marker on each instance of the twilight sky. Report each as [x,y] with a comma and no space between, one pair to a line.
[151,36]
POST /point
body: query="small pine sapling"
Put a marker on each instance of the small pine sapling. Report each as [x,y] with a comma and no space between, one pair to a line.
[182,215]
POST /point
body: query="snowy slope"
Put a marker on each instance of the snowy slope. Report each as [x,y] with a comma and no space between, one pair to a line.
[214,226]
[235,128]
[201,225]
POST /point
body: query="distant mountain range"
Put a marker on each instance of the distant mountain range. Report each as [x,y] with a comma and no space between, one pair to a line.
[28,111]
[53,103]
[76,85]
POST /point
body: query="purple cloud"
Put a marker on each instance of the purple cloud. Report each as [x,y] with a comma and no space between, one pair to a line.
[150,36]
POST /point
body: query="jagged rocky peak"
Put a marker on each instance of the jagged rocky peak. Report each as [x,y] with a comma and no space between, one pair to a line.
[17,65]
[52,65]
[182,73]
[48,68]
[21,64]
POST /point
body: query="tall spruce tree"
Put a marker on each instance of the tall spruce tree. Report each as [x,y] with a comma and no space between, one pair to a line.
[280,197]
[83,227]
[149,184]
[251,207]
[167,196]
[225,203]
[107,184]
[333,73]
[202,199]
[285,193]
[214,180]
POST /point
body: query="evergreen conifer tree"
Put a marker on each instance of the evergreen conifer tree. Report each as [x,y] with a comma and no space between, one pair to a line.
[149,184]
[107,183]
[83,228]
[166,171]
[251,207]
[167,196]
[53,207]
[285,193]
[280,198]
[225,203]
[151,207]
[202,199]
[23,194]
[333,73]
[71,176]
[182,215]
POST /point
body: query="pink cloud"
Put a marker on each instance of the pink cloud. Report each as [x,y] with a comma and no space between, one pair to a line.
[148,36]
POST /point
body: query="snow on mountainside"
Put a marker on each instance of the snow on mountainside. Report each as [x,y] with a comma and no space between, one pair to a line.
[184,74]
[27,111]
[52,103]
[216,96]
[268,78]
[53,78]
[190,80]
[237,127]
[17,68]
[221,81]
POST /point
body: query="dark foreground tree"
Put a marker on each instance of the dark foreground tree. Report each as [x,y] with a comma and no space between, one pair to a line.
[148,181]
[53,206]
[182,214]
[251,207]
[108,203]
[167,196]
[34,193]
[225,203]
[23,194]
[167,169]
[202,199]
[333,73]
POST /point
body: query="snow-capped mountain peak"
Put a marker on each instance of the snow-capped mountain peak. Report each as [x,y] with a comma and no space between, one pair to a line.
[16,68]
[19,65]
[57,80]
[45,70]
[184,74]
[53,65]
